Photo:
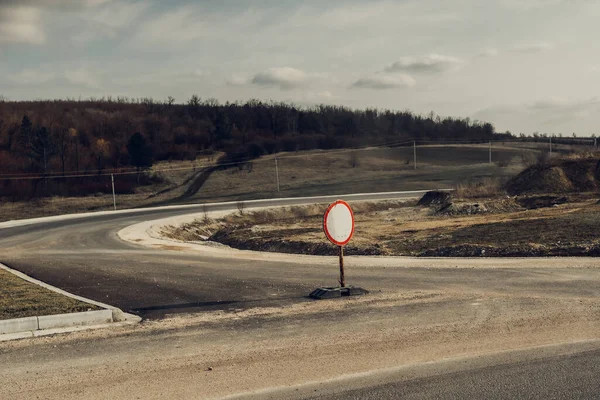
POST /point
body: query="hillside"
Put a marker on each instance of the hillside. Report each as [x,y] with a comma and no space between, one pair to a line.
[57,138]
[302,173]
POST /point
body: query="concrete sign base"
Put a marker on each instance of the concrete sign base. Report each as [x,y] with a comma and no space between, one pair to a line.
[333,292]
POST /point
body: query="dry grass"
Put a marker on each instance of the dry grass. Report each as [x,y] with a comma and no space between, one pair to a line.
[485,188]
[498,227]
[308,173]
[23,299]
[315,173]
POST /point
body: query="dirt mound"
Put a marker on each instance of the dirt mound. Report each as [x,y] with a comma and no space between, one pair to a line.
[489,207]
[435,198]
[557,176]
[533,202]
[462,209]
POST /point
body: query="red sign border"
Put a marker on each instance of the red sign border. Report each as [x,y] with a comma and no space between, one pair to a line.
[331,239]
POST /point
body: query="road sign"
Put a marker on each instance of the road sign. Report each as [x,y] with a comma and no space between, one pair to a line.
[338,223]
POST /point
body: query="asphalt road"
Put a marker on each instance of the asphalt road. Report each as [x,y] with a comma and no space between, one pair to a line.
[514,303]
[569,377]
[84,256]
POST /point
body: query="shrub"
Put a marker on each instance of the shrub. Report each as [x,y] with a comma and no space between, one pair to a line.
[241,206]
[503,162]
[353,161]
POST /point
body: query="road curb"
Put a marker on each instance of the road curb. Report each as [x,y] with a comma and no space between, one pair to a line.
[148,233]
[19,328]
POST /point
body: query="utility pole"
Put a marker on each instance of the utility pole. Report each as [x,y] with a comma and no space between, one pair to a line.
[45,169]
[277,173]
[550,137]
[490,151]
[595,144]
[415,154]
[112,181]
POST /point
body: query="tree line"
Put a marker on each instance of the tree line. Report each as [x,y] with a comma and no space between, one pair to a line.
[91,136]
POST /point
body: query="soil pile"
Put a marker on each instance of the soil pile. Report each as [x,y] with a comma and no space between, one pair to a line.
[436,198]
[557,176]
[455,209]
[534,202]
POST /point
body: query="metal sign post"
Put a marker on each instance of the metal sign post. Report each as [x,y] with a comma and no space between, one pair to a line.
[342,280]
[338,226]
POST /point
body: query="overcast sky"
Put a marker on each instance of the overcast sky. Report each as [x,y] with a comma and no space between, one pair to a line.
[524,65]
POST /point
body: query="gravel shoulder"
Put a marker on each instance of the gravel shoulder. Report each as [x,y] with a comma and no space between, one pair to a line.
[260,352]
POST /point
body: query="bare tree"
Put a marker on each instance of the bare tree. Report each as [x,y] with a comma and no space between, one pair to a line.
[241,206]
[61,145]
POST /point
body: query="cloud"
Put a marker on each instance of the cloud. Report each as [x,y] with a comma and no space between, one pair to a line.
[180,25]
[107,19]
[550,115]
[31,77]
[236,80]
[82,77]
[381,82]
[285,78]
[489,52]
[526,5]
[21,21]
[532,47]
[56,3]
[202,73]
[432,63]
[21,24]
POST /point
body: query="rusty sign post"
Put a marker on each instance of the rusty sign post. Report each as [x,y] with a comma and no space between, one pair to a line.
[338,226]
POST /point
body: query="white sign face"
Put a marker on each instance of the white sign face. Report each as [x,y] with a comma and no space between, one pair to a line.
[338,223]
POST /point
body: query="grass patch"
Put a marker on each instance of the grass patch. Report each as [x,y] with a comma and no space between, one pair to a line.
[484,188]
[19,298]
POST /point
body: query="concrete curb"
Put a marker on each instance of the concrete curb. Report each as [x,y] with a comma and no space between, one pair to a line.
[148,233]
[249,203]
[19,328]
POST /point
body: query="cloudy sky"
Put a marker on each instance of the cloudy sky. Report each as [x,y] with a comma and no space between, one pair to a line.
[524,65]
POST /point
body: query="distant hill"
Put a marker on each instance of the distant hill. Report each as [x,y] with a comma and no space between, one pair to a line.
[91,136]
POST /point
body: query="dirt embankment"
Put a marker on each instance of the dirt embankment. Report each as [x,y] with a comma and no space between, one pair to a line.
[573,174]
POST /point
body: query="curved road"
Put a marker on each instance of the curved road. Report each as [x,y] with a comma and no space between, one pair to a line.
[84,256]
[265,333]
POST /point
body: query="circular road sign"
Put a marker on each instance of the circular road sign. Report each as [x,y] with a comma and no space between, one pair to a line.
[338,223]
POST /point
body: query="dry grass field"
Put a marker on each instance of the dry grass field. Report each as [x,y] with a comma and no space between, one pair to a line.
[308,173]
[316,173]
